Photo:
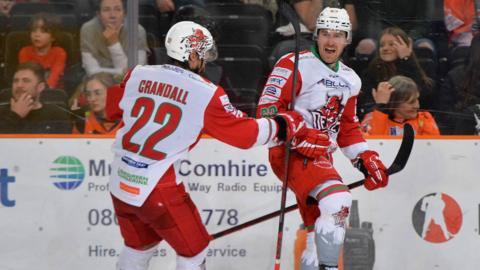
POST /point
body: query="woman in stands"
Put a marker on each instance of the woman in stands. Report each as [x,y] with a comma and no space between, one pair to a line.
[395,57]
[396,104]
[43,32]
[93,120]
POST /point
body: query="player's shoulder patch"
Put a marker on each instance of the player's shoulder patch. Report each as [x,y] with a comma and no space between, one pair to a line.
[281,72]
[291,56]
[304,55]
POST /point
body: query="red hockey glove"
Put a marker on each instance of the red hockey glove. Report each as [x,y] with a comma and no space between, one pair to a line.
[375,172]
[289,124]
[312,144]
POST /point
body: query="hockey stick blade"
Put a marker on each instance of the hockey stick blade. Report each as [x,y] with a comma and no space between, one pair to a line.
[398,164]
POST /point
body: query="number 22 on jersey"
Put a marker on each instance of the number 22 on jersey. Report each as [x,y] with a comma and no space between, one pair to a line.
[167,115]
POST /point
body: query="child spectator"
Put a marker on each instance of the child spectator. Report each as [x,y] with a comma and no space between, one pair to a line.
[396,104]
[43,33]
[93,120]
[395,57]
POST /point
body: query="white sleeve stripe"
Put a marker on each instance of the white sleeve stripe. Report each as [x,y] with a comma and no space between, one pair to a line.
[267,131]
[353,150]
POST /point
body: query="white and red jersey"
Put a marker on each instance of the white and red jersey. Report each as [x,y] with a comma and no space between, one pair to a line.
[164,111]
[325,98]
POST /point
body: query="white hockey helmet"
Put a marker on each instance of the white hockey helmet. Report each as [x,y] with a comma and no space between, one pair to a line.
[334,19]
[186,37]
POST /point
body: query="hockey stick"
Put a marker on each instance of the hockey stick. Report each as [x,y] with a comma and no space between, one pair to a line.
[398,164]
[287,11]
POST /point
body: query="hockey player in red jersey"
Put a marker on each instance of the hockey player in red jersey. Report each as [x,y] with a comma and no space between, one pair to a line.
[164,110]
[326,96]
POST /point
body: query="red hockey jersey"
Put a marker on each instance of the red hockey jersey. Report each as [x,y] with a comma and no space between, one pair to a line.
[326,98]
[164,110]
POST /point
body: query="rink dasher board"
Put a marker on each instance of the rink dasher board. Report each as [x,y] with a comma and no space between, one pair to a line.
[46,227]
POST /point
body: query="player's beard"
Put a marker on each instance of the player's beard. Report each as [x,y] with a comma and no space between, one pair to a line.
[200,69]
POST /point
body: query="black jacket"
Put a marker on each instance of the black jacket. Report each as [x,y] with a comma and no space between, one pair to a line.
[453,115]
[49,119]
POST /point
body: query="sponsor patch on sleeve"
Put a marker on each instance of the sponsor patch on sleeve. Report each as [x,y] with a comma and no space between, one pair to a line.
[282,72]
[272,91]
[224,100]
[229,108]
[276,81]
[266,100]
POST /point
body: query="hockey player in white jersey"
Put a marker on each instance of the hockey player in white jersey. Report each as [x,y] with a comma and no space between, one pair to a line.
[164,110]
[326,95]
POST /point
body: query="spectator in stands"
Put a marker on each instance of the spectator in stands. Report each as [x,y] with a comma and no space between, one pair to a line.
[458,99]
[5,7]
[43,33]
[459,19]
[93,121]
[396,104]
[26,113]
[103,40]
[395,57]
[374,15]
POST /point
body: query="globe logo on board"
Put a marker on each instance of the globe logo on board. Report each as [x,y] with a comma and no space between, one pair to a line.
[437,217]
[67,172]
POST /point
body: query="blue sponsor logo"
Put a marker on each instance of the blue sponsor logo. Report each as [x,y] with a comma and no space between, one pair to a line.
[276,81]
[68,172]
[134,163]
[270,90]
[4,181]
